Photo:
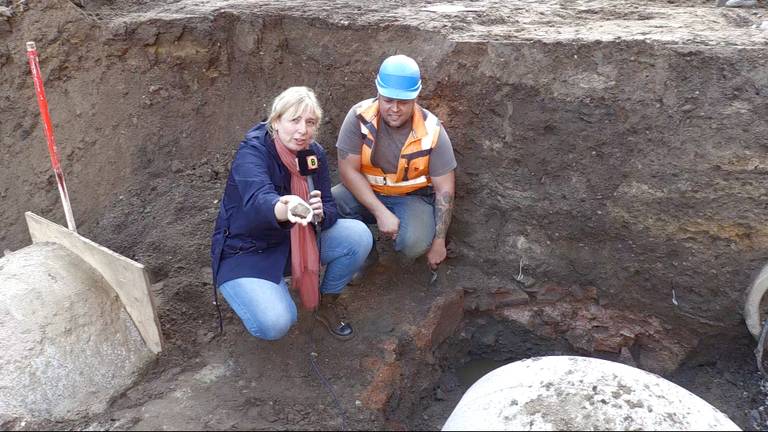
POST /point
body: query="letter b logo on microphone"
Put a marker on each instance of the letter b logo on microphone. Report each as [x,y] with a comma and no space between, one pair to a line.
[308,162]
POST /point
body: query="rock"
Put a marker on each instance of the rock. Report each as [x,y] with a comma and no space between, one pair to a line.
[6,12]
[440,395]
[488,339]
[583,293]
[386,380]
[270,413]
[390,350]
[177,166]
[442,320]
[68,347]
[510,296]
[661,356]
[754,419]
[245,38]
[204,336]
[626,357]
[764,25]
[479,301]
[146,34]
[579,393]
[451,249]
[741,3]
[580,339]
[300,211]
[550,293]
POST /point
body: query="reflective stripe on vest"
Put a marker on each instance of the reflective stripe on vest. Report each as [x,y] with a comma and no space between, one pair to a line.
[413,165]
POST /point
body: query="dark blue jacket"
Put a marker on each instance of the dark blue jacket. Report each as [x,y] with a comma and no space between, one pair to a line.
[247,239]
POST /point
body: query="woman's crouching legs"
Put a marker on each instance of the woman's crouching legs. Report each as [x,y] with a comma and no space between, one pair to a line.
[343,248]
[266,308]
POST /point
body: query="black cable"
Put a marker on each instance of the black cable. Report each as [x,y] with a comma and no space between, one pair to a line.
[323,380]
[312,361]
[761,348]
[218,308]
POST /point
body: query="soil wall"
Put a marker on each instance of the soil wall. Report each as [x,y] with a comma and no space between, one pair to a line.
[634,166]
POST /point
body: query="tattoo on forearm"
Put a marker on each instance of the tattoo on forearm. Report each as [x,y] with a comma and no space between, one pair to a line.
[443,213]
[342,154]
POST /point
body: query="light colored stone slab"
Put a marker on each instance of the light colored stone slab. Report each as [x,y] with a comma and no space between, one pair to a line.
[127,277]
[581,393]
[67,345]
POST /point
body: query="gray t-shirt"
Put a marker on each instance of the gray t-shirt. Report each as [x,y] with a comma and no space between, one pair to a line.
[389,143]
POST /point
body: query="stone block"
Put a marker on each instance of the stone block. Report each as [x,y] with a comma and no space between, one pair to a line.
[67,345]
[551,293]
[441,321]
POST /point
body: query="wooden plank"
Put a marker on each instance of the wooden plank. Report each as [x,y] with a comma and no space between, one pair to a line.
[127,277]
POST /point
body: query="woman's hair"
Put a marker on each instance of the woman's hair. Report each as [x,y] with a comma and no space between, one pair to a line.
[292,102]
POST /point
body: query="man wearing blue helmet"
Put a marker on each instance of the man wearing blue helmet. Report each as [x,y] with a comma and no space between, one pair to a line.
[396,164]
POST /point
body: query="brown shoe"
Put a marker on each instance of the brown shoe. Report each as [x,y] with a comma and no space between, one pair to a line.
[332,314]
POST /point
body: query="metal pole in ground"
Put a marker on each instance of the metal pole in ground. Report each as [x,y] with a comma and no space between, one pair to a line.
[34,65]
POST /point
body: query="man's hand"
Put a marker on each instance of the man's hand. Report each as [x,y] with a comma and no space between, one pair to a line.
[445,186]
[388,223]
[436,254]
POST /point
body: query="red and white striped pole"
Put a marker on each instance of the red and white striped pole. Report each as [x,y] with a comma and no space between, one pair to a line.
[34,65]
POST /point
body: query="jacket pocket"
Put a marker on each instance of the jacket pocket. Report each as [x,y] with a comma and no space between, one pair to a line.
[237,246]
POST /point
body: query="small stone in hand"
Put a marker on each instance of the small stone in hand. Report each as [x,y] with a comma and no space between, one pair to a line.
[300,211]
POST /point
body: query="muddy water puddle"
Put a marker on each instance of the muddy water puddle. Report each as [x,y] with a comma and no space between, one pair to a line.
[474,369]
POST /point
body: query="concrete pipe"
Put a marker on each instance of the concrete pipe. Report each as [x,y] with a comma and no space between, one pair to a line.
[580,393]
[752,304]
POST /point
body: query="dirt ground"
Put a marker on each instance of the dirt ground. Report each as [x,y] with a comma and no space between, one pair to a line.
[615,147]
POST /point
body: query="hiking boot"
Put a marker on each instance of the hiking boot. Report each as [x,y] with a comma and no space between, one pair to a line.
[332,314]
[371,260]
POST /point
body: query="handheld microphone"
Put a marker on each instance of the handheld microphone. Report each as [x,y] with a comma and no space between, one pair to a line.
[308,166]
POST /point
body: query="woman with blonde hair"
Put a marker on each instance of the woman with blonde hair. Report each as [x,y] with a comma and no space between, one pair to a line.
[266,227]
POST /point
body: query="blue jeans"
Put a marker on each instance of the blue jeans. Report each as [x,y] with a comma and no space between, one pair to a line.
[416,214]
[267,309]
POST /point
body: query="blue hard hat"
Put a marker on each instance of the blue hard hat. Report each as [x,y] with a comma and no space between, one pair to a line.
[399,78]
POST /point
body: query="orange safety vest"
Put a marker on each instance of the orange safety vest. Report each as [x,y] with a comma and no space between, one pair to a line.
[413,166]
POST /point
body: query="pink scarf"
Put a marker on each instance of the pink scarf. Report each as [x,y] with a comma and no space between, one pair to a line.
[305,258]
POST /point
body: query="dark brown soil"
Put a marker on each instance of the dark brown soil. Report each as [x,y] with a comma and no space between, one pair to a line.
[616,147]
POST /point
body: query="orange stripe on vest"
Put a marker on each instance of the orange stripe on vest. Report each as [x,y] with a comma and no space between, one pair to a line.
[413,164]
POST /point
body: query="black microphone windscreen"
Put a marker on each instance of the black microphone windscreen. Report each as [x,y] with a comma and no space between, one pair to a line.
[308,162]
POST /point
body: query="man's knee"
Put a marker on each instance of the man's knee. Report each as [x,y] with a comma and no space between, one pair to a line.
[416,233]
[345,201]
[413,247]
[359,235]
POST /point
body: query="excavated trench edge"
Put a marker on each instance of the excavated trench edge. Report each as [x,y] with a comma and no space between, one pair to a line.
[442,360]
[422,360]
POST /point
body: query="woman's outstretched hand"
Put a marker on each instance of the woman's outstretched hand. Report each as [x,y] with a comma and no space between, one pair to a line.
[293,209]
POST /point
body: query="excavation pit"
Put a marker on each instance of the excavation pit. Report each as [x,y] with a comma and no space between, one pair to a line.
[613,148]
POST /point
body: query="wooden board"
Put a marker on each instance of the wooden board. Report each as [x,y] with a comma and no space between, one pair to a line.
[127,277]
